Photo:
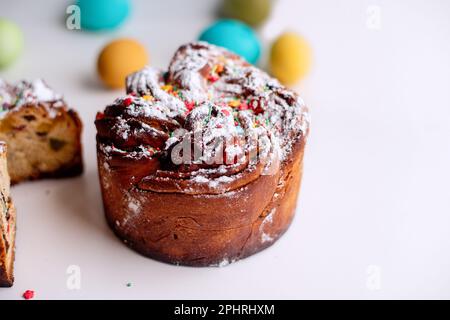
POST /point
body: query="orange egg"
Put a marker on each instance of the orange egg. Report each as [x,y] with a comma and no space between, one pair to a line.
[118,59]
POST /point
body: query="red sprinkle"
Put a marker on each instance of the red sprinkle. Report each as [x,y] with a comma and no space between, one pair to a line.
[29,294]
[226,112]
[127,101]
[189,105]
[212,78]
[99,116]
[243,106]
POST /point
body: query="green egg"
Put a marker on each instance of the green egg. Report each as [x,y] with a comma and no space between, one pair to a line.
[11,42]
[252,12]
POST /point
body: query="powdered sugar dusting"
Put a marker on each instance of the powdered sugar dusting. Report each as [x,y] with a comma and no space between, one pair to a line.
[210,92]
[223,263]
[35,92]
[134,206]
[132,212]
[265,237]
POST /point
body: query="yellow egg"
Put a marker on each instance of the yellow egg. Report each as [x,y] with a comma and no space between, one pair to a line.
[118,59]
[290,58]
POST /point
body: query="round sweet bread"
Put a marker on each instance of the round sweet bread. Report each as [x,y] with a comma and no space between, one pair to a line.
[201,165]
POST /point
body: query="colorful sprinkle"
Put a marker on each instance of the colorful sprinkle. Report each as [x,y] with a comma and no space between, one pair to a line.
[243,106]
[127,101]
[209,115]
[189,105]
[216,71]
[234,103]
[29,294]
[167,87]
[219,68]
[213,78]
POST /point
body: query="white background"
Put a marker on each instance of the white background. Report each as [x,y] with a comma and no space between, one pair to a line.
[375,200]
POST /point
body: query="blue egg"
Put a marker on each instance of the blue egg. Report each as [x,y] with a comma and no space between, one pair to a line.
[97,15]
[235,36]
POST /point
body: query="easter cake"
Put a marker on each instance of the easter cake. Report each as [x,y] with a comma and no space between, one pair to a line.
[201,165]
[7,224]
[41,132]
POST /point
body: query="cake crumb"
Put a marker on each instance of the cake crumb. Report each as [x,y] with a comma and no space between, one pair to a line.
[29,294]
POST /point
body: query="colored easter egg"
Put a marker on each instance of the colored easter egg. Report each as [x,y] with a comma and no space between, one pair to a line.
[11,42]
[252,12]
[118,59]
[290,58]
[99,15]
[235,36]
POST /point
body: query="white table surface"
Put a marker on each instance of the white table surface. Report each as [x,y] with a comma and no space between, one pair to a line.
[374,214]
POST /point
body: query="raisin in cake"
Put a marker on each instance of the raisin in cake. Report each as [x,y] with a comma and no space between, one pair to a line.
[7,224]
[201,164]
[42,133]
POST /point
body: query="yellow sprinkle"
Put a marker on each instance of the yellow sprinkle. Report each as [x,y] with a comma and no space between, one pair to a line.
[147,97]
[167,87]
[234,103]
[219,68]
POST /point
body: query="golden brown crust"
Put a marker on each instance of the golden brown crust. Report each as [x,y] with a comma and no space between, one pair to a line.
[203,230]
[7,224]
[7,262]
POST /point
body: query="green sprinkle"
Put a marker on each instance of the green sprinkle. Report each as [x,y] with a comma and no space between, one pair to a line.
[209,114]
